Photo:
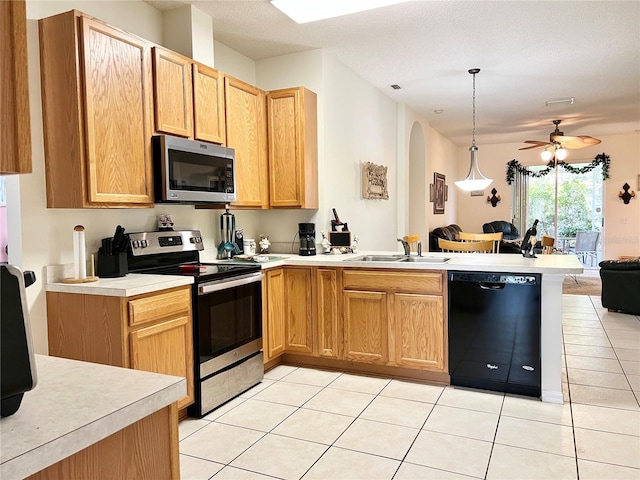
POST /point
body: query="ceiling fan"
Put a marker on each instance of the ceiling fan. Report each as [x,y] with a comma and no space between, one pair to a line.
[558,139]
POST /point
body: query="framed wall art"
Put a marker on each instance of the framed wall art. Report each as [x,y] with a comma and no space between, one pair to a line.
[374,182]
[438,193]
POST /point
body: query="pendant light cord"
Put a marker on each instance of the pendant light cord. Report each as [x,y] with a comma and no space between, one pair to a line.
[473,131]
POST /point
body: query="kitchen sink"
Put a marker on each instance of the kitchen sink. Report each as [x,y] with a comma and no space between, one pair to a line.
[378,258]
[426,259]
[398,258]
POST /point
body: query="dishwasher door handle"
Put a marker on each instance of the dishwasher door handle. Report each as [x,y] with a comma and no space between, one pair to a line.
[491,286]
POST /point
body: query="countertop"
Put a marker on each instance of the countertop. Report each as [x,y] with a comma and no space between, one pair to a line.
[479,262]
[136,284]
[74,405]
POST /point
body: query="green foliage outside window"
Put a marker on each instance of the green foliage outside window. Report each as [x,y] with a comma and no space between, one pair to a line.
[577,194]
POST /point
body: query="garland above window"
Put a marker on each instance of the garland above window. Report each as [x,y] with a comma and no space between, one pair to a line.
[601,159]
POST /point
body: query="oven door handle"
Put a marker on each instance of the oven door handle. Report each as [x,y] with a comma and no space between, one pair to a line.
[225,284]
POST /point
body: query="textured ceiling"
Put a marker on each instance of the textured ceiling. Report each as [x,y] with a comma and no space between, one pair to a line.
[528,52]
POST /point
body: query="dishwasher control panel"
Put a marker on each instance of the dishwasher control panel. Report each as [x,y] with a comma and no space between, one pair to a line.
[510,278]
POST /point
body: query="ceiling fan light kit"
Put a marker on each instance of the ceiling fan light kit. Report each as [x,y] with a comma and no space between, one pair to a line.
[475,180]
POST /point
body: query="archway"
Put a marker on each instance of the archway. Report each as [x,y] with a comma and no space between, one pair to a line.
[417,184]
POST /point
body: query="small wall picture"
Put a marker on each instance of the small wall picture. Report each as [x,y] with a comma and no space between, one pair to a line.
[477,193]
[374,182]
[439,188]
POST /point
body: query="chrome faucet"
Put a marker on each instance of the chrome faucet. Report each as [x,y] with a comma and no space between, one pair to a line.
[405,245]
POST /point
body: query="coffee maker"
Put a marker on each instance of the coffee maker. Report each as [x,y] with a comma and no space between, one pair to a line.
[307,234]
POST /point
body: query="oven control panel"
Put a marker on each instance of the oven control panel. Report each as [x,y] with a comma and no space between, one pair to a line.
[149,243]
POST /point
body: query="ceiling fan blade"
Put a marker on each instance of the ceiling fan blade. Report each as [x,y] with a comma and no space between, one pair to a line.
[574,143]
[535,145]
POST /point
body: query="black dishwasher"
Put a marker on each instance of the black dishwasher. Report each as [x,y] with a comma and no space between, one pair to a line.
[494,331]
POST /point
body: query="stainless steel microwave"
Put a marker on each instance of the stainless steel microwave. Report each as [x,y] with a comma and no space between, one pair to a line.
[191,171]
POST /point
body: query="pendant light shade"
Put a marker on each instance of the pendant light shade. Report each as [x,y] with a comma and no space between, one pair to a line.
[475,180]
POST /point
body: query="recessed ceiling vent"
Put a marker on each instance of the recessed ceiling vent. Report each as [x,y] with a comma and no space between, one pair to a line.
[395,86]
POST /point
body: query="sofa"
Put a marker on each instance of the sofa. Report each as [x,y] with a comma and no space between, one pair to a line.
[508,229]
[509,234]
[620,285]
[448,233]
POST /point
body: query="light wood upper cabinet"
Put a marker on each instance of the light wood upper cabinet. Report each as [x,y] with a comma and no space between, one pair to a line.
[151,332]
[172,93]
[15,134]
[273,322]
[293,148]
[208,104]
[96,101]
[188,97]
[246,133]
[327,295]
[298,316]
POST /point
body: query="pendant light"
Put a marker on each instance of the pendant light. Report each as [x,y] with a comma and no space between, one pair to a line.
[475,180]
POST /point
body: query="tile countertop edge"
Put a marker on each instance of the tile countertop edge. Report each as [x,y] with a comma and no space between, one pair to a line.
[29,459]
[128,286]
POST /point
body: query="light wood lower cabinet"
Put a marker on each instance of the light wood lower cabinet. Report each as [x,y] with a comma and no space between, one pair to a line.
[298,319]
[417,333]
[327,312]
[365,327]
[395,318]
[151,332]
[375,317]
[273,314]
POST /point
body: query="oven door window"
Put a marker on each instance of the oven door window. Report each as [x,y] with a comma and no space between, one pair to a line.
[228,319]
[200,173]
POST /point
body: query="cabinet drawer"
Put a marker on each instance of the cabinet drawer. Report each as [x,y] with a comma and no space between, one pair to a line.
[163,305]
[405,281]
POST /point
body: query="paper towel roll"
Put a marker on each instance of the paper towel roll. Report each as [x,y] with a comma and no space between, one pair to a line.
[79,253]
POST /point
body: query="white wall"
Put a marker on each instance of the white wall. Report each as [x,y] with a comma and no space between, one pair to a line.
[622,222]
[359,126]
[235,64]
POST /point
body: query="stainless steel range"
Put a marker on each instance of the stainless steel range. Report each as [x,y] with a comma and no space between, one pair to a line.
[227,313]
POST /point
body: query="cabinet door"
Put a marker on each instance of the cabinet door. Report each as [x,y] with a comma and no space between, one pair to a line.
[15,134]
[293,148]
[172,93]
[274,336]
[165,348]
[208,104]
[328,328]
[117,76]
[246,133]
[418,333]
[298,319]
[365,326]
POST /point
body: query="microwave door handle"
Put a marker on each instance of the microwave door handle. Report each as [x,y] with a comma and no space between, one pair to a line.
[225,284]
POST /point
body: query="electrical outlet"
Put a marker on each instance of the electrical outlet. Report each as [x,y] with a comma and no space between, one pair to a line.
[623,220]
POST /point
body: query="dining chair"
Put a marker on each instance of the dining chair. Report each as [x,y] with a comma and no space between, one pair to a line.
[412,240]
[547,244]
[587,245]
[484,246]
[496,238]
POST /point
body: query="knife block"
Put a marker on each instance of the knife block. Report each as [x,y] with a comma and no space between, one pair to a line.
[110,266]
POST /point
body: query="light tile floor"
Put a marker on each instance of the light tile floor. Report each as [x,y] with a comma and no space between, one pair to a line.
[314,424]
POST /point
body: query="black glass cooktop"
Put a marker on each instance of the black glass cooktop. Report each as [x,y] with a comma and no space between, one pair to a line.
[203,272]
